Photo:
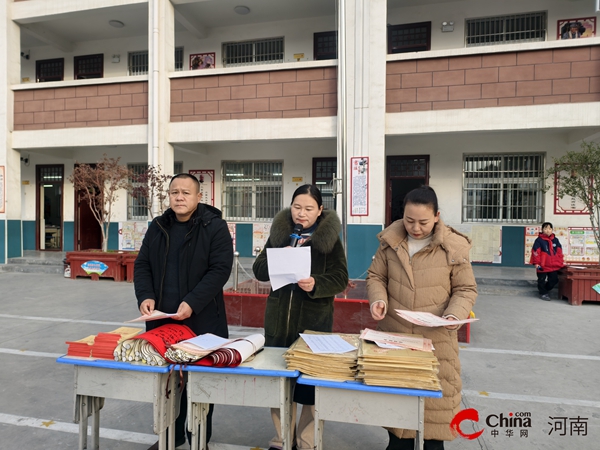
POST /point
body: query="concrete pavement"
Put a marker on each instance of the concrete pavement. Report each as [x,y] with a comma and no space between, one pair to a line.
[536,359]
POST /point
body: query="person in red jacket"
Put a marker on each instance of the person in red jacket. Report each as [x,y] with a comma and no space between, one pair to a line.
[547,256]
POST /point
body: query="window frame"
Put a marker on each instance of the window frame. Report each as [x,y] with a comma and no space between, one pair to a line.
[250,189]
[252,59]
[502,36]
[43,79]
[322,56]
[502,182]
[408,48]
[89,75]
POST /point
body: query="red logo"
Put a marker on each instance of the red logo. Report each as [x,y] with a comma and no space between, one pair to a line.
[465,414]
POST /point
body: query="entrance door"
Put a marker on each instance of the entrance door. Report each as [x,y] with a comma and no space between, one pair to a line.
[88,234]
[404,173]
[49,217]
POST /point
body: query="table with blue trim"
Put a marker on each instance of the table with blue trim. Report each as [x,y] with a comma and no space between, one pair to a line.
[355,402]
[263,381]
[96,380]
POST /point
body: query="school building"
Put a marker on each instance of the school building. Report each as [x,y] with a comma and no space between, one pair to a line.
[367,98]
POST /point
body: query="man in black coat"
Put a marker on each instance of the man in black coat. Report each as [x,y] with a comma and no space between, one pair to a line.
[183,264]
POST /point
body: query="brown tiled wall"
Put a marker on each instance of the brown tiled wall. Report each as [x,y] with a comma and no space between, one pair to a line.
[276,94]
[84,106]
[567,75]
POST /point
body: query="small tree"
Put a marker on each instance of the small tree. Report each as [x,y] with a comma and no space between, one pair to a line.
[150,186]
[577,174]
[100,184]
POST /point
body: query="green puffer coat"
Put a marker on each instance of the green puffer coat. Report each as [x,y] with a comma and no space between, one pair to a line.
[305,310]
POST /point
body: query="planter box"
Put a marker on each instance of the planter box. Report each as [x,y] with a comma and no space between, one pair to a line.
[351,313]
[575,284]
[94,262]
[129,263]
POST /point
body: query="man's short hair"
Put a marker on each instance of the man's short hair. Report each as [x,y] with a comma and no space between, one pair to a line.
[185,175]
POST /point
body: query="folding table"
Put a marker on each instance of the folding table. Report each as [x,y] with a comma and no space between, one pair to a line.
[355,402]
[263,381]
[96,380]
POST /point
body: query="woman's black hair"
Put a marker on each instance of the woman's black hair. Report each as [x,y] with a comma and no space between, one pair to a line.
[547,224]
[423,195]
[311,190]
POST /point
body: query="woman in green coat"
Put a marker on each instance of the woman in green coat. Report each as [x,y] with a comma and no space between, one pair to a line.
[307,305]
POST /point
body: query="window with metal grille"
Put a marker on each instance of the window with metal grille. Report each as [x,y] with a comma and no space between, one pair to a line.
[252,190]
[324,170]
[178,59]
[88,66]
[50,70]
[248,53]
[528,27]
[410,37]
[325,45]
[137,208]
[503,188]
[138,62]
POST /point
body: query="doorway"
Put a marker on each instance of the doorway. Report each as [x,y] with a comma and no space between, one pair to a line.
[88,235]
[49,201]
[404,173]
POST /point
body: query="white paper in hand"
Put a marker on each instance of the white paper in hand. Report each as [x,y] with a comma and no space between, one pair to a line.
[288,265]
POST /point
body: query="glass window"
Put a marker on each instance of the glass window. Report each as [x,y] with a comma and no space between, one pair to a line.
[247,53]
[410,37]
[529,27]
[50,70]
[503,188]
[252,190]
[88,66]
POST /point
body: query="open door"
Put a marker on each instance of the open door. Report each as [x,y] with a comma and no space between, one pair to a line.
[88,234]
[49,200]
[404,173]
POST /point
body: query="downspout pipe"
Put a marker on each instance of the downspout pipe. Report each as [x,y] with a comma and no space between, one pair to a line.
[342,147]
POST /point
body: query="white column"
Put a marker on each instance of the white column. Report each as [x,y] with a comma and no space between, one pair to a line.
[161,61]
[365,74]
[10,61]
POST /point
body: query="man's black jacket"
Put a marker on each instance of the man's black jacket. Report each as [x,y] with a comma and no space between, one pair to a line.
[204,267]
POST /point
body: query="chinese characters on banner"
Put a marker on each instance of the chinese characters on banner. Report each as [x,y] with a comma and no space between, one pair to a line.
[2,190]
[207,185]
[359,187]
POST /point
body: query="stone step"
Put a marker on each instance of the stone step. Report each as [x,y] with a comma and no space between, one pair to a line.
[33,268]
[36,261]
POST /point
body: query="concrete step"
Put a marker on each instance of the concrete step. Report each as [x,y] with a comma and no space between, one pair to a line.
[36,261]
[33,268]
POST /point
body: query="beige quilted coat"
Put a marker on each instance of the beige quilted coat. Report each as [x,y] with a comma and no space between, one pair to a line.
[439,279]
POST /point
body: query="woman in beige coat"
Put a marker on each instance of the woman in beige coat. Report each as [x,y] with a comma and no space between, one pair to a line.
[423,265]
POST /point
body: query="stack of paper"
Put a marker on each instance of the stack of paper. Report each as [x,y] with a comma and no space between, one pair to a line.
[100,346]
[81,348]
[106,343]
[324,355]
[399,367]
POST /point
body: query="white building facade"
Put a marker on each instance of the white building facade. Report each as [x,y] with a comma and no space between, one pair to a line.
[367,98]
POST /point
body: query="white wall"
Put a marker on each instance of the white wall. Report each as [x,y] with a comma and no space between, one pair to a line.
[445,164]
[459,11]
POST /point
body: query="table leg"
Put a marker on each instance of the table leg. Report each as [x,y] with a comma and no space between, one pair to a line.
[197,413]
[82,418]
[96,423]
[285,411]
[318,423]
[419,438]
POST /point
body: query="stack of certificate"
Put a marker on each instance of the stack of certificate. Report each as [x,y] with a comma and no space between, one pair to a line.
[324,355]
[385,361]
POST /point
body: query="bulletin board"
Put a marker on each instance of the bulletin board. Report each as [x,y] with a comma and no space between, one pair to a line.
[578,244]
[2,189]
[359,187]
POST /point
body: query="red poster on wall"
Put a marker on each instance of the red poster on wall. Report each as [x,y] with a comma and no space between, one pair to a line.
[207,185]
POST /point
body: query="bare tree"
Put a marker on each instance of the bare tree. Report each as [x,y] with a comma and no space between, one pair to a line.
[150,188]
[100,184]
